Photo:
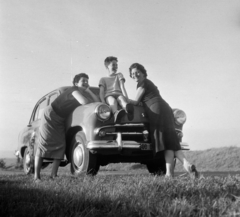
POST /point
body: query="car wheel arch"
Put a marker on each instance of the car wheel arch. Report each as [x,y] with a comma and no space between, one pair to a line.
[22,150]
[80,158]
[69,136]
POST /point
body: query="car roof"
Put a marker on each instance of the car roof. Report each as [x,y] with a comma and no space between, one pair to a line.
[60,90]
[64,88]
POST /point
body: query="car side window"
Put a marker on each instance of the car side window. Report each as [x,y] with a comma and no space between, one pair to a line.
[53,97]
[41,106]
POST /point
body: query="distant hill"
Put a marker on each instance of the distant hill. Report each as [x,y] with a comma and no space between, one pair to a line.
[214,159]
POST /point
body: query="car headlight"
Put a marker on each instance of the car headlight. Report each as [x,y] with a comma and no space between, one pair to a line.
[103,112]
[179,116]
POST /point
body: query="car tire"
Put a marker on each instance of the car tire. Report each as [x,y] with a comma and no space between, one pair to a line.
[28,162]
[82,161]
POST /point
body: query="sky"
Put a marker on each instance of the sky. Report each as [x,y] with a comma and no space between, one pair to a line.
[191,50]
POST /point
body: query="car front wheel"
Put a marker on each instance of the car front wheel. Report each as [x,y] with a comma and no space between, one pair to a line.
[81,159]
[28,162]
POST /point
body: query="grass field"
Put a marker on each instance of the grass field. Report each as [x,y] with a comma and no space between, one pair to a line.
[119,195]
[127,190]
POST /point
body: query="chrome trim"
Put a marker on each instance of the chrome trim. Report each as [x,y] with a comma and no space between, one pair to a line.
[176,117]
[118,125]
[123,133]
[178,130]
[119,144]
[184,146]
[96,112]
[119,141]
[103,144]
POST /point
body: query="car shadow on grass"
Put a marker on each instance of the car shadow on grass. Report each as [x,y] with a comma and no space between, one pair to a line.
[65,196]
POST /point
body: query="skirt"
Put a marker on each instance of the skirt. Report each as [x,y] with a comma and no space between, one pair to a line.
[51,141]
[162,130]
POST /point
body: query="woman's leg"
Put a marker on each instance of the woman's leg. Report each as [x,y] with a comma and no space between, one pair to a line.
[173,166]
[190,168]
[169,158]
[55,166]
[180,156]
[38,165]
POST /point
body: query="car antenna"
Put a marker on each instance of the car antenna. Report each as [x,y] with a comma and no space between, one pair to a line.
[71,77]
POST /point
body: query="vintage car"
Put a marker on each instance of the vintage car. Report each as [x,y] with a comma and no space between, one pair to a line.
[94,140]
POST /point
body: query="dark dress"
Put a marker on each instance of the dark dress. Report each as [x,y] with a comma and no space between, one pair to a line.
[51,143]
[161,118]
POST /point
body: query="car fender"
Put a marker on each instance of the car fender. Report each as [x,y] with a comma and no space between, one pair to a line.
[23,140]
[84,117]
[26,136]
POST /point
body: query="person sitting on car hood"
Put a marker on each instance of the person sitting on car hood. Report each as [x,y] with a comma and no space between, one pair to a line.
[113,92]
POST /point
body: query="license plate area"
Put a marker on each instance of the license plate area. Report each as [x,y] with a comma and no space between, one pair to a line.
[145,146]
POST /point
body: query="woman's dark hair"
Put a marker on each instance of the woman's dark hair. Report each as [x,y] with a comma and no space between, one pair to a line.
[78,77]
[138,67]
[108,60]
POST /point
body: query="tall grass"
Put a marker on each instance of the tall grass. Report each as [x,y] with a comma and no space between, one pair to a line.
[118,195]
[127,195]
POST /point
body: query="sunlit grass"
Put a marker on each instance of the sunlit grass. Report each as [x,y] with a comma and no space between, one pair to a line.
[119,195]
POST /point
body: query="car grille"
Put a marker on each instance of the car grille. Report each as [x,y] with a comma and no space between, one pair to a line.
[130,132]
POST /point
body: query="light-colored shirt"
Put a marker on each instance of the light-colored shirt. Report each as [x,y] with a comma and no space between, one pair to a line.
[112,85]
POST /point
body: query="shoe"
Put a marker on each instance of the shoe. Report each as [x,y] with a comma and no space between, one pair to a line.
[168,177]
[37,181]
[194,171]
[130,111]
[118,115]
[53,177]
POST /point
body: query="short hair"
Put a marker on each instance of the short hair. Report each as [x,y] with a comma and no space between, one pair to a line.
[108,60]
[138,67]
[78,77]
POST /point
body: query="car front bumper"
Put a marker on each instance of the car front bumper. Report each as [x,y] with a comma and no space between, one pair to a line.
[117,146]
[121,146]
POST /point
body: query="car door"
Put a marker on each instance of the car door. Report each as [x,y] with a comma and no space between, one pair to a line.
[35,119]
[39,109]
[33,126]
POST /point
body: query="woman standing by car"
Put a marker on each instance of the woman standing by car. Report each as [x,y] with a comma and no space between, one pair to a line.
[161,120]
[51,143]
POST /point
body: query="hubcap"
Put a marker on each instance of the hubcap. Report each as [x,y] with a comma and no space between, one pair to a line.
[78,156]
[28,160]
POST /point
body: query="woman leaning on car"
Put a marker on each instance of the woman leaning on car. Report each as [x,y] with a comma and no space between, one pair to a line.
[161,117]
[51,143]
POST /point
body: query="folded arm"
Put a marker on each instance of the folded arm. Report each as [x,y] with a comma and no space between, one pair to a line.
[95,97]
[137,101]
[80,98]
[101,94]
